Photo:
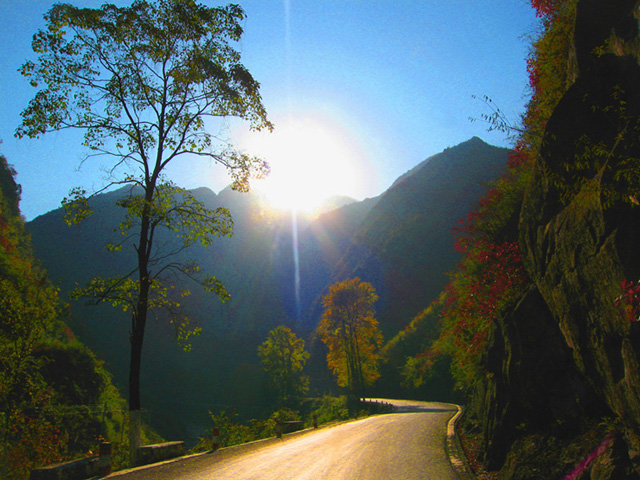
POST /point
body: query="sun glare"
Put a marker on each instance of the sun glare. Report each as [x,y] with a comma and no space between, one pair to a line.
[310,161]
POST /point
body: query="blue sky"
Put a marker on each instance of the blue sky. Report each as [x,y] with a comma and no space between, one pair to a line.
[391,81]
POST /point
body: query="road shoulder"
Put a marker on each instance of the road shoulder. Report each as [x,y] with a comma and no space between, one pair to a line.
[455,451]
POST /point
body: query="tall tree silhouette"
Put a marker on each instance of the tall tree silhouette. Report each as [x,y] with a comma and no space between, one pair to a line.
[144,84]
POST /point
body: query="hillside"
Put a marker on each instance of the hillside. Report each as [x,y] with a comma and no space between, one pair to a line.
[539,321]
[408,228]
[56,397]
[404,245]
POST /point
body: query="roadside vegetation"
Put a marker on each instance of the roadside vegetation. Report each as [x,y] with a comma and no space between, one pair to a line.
[57,400]
[319,411]
[350,332]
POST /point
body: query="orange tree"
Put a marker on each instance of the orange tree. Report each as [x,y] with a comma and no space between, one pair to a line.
[145,84]
[350,331]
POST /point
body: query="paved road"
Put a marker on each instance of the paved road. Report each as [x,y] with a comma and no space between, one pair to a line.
[406,445]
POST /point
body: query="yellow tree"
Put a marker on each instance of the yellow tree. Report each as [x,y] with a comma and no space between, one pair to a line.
[351,333]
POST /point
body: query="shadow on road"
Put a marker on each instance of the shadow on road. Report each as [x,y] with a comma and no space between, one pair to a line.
[421,409]
[407,406]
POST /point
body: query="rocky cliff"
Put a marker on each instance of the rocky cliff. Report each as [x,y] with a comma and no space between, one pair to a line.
[563,365]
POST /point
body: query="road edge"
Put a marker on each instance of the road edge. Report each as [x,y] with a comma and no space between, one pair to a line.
[453,448]
[455,451]
[226,452]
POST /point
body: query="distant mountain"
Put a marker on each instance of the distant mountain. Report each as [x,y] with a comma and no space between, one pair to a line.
[404,245]
[333,203]
[400,241]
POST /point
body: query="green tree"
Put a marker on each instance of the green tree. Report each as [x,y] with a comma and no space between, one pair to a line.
[145,84]
[351,333]
[283,357]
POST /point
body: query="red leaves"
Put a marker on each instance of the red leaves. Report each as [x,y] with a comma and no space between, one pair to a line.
[518,156]
[489,278]
[33,442]
[534,74]
[545,8]
[630,300]
[498,270]
[468,227]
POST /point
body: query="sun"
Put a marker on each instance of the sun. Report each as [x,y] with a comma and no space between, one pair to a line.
[310,161]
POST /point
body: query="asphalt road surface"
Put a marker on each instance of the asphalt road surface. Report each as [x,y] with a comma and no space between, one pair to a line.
[406,445]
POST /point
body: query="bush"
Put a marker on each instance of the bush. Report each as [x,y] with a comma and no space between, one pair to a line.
[330,408]
[232,433]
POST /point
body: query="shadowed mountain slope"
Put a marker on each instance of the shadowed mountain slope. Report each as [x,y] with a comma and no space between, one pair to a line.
[400,241]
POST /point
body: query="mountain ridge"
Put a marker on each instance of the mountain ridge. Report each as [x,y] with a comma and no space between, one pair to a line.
[257,265]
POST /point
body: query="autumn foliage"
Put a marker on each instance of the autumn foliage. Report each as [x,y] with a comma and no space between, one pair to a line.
[629,301]
[488,279]
[491,276]
[350,331]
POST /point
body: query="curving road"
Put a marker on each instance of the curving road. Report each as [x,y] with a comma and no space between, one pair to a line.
[407,445]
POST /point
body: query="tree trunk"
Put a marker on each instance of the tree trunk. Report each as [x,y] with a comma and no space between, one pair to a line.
[139,320]
[134,389]
[135,427]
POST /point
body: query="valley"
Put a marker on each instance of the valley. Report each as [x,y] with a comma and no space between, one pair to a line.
[401,242]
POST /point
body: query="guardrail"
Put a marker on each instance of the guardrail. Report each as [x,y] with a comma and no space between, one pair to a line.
[100,465]
[288,427]
[159,452]
[383,407]
[97,465]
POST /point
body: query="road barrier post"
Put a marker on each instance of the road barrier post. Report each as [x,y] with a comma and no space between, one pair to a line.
[216,438]
[315,421]
[279,429]
[104,460]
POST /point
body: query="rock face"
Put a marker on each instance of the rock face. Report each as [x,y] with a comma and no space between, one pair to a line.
[566,357]
[578,235]
[532,381]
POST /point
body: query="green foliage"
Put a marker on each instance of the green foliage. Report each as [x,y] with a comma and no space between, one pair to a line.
[331,408]
[72,370]
[611,154]
[177,211]
[407,358]
[11,191]
[170,60]
[326,409]
[232,433]
[549,73]
[283,357]
[76,206]
[56,399]
[420,332]
[142,82]
[28,310]
[285,415]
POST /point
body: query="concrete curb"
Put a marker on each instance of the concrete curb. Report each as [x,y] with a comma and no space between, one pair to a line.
[455,451]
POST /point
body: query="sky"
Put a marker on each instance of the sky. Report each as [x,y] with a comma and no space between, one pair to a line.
[360,91]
